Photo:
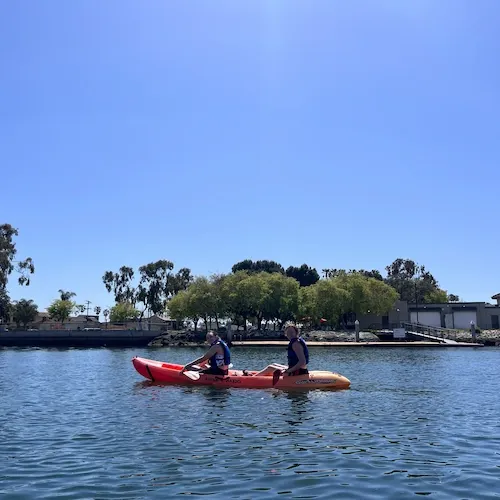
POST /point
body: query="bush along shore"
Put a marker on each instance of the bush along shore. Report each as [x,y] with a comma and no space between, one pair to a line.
[190,338]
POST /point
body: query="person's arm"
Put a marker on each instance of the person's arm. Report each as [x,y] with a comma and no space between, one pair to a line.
[299,351]
[205,357]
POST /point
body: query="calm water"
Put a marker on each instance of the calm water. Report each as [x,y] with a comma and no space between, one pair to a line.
[82,424]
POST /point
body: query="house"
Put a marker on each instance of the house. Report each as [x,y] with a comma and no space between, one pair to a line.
[43,322]
[153,323]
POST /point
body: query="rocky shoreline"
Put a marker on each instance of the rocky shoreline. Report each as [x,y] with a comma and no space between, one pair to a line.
[190,338]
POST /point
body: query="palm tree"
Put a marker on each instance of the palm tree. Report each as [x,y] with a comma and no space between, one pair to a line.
[66,295]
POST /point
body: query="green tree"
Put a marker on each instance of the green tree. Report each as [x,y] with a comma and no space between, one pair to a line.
[374,273]
[123,312]
[8,262]
[437,296]
[413,282]
[181,306]
[5,306]
[254,292]
[453,298]
[382,297]
[24,312]
[282,302]
[304,274]
[155,286]
[331,301]
[259,266]
[60,310]
[308,305]
[202,300]
[365,294]
[239,305]
[332,273]
[182,279]
[220,307]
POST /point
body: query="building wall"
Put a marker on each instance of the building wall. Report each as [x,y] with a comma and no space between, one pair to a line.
[450,313]
[393,317]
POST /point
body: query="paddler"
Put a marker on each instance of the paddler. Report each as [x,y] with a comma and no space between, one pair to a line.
[298,353]
[218,357]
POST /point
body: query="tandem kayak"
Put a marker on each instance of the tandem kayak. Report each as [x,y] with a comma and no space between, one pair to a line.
[169,373]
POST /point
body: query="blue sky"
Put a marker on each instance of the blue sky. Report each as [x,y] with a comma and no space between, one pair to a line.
[339,134]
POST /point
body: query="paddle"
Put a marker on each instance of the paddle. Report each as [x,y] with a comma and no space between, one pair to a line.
[194,375]
[276,376]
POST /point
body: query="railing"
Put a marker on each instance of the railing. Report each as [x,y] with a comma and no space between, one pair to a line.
[433,331]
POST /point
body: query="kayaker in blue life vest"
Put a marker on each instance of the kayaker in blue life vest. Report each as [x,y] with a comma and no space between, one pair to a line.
[298,353]
[218,357]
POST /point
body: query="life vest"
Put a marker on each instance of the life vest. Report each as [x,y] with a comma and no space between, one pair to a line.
[292,356]
[220,360]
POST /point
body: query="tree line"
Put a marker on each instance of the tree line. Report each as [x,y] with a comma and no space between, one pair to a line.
[257,291]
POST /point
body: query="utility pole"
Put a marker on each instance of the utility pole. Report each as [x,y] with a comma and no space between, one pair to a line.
[88,307]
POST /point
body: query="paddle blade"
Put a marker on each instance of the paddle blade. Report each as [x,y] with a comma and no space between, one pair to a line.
[192,375]
[276,376]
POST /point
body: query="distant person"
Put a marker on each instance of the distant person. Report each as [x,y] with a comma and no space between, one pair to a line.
[218,357]
[298,353]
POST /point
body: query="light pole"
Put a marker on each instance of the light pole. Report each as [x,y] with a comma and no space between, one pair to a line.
[418,274]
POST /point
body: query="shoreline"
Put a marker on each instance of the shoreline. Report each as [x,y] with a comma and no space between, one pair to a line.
[283,344]
[321,338]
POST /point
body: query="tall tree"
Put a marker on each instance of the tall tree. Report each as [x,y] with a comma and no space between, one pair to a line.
[120,284]
[5,306]
[182,279]
[305,275]
[413,282]
[24,312]
[8,262]
[155,286]
[259,266]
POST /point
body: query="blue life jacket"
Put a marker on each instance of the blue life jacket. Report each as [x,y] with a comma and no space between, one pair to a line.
[292,356]
[218,360]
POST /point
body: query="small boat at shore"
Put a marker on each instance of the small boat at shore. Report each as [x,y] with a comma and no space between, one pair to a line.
[270,377]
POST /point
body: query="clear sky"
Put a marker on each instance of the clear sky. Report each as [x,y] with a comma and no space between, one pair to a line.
[339,134]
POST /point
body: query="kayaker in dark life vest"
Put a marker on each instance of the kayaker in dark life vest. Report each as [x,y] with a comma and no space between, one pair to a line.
[298,353]
[218,357]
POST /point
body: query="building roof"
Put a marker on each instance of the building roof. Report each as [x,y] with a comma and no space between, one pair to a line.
[497,296]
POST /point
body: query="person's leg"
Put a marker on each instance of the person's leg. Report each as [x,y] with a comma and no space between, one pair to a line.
[214,371]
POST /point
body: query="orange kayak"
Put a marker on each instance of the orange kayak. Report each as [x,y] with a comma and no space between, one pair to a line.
[169,373]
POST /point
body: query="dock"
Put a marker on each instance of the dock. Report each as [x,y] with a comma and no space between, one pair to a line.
[412,344]
[77,338]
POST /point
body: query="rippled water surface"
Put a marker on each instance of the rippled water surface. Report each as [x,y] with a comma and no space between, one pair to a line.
[83,424]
